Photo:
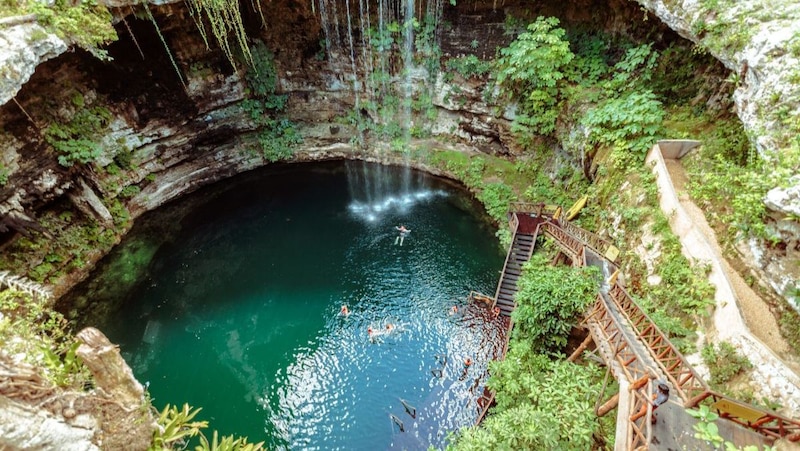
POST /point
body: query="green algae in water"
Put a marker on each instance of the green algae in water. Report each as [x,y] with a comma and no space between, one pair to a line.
[239,311]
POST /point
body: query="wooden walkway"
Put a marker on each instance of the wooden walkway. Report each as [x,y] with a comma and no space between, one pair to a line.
[633,348]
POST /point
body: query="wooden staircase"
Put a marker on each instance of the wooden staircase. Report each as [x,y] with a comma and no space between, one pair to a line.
[520,252]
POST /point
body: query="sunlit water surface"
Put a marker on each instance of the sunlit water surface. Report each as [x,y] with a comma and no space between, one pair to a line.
[239,309]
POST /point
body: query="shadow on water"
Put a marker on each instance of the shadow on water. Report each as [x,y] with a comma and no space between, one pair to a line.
[230,300]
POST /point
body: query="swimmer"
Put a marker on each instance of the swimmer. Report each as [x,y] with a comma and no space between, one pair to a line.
[496,312]
[389,327]
[345,311]
[454,310]
[403,232]
[369,331]
[467,364]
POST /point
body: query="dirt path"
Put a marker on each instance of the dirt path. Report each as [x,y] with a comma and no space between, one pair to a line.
[741,317]
[757,316]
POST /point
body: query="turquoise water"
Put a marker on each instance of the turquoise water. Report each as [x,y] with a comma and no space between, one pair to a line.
[239,310]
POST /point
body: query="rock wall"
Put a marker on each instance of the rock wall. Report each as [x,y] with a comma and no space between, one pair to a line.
[759,43]
[35,414]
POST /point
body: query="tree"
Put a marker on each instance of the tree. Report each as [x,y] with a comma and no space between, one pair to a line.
[549,300]
[531,70]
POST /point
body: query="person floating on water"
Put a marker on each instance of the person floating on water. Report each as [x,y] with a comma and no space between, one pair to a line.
[467,364]
[496,312]
[403,232]
[454,310]
[345,311]
[389,327]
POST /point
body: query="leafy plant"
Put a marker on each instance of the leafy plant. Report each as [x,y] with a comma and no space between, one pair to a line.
[227,443]
[86,23]
[78,139]
[496,197]
[531,69]
[277,136]
[469,66]
[30,329]
[549,301]
[630,122]
[65,371]
[175,427]
[724,362]
[541,404]
[3,175]
[706,429]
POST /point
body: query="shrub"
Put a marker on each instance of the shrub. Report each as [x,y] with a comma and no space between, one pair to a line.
[724,362]
[549,301]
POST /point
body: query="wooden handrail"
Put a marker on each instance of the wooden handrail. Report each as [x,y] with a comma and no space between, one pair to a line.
[692,389]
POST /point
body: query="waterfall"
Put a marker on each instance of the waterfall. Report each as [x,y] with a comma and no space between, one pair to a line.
[408,67]
[331,40]
[356,87]
[383,69]
[377,190]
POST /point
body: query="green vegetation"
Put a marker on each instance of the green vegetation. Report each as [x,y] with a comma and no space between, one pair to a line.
[531,69]
[177,427]
[724,362]
[706,429]
[225,20]
[549,302]
[277,136]
[77,138]
[79,241]
[542,402]
[40,336]
[86,23]
[3,175]
[469,66]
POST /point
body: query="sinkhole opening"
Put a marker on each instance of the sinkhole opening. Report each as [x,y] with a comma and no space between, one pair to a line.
[231,300]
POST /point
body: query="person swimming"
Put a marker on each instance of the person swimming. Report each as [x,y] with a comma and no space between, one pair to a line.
[403,232]
[345,311]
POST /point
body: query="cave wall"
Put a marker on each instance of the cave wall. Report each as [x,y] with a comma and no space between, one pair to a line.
[179,129]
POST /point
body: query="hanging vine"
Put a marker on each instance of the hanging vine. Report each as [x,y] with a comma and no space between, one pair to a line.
[166,47]
[225,19]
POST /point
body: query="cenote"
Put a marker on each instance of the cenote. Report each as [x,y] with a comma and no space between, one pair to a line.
[230,300]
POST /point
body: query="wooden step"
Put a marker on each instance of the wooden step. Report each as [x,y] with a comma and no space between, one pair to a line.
[504,298]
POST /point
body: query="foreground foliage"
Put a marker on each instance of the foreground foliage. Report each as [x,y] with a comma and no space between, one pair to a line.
[35,334]
[176,426]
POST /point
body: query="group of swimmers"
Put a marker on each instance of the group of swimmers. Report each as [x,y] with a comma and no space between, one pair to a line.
[389,328]
[371,333]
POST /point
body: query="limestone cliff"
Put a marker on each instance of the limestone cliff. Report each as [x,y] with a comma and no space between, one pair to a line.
[35,414]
